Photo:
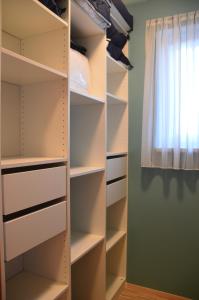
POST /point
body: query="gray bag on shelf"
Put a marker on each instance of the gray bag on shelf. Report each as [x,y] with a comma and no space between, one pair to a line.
[98,10]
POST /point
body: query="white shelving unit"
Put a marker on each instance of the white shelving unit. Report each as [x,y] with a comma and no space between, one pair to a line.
[64,155]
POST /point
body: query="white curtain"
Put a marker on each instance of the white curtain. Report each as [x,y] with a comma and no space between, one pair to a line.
[170,129]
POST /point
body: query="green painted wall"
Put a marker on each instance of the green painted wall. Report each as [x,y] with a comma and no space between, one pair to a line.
[163,237]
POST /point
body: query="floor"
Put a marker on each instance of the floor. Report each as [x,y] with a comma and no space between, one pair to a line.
[134,292]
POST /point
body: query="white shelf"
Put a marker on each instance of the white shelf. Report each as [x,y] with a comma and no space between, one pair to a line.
[112,237]
[108,154]
[87,27]
[82,243]
[80,171]
[28,18]
[112,99]
[78,98]
[18,69]
[14,162]
[114,66]
[29,286]
[114,283]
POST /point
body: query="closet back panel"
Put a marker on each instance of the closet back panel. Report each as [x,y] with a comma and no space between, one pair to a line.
[88,204]
[87,135]
[11,120]
[117,128]
[96,53]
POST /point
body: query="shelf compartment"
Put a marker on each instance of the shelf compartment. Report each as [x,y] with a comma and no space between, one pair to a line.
[87,27]
[78,98]
[114,284]
[113,237]
[26,232]
[20,70]
[31,188]
[114,66]
[81,171]
[119,153]
[15,162]
[28,18]
[112,99]
[82,243]
[29,286]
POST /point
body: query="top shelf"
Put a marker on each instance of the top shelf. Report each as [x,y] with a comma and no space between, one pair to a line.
[26,18]
[82,25]
[113,66]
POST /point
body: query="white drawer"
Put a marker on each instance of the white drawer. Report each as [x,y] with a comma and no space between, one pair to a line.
[116,191]
[26,189]
[116,167]
[26,232]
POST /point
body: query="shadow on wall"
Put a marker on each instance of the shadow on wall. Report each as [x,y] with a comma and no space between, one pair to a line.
[190,179]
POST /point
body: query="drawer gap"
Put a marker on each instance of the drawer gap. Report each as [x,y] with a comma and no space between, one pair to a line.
[29,210]
[116,156]
[31,168]
[115,180]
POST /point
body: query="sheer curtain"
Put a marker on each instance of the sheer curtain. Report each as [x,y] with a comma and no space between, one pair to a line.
[170,129]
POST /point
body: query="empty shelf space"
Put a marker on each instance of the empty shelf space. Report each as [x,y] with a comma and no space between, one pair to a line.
[114,283]
[112,237]
[87,27]
[112,99]
[29,286]
[114,66]
[28,18]
[18,69]
[78,98]
[80,171]
[14,162]
[112,154]
[82,243]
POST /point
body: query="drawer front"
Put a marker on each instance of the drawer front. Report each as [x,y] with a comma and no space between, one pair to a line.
[26,189]
[26,232]
[116,191]
[116,167]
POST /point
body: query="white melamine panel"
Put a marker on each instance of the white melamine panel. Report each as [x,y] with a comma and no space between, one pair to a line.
[30,286]
[112,154]
[23,18]
[44,119]
[28,231]
[81,171]
[112,238]
[96,53]
[88,136]
[88,204]
[116,167]
[114,66]
[26,189]
[113,286]
[49,49]
[117,216]
[87,27]
[78,98]
[82,243]
[10,42]
[117,85]
[10,130]
[50,259]
[14,162]
[117,128]
[88,275]
[112,99]
[18,69]
[116,191]
[14,267]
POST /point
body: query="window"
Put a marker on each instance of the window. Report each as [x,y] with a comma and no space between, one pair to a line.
[170,137]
